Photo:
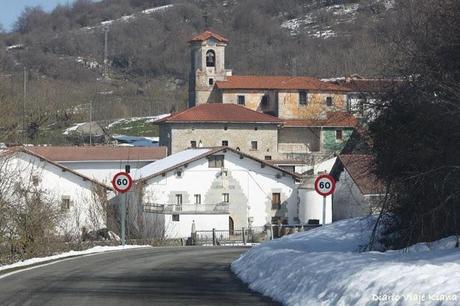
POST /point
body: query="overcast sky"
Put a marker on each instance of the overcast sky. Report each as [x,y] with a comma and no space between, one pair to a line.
[11,9]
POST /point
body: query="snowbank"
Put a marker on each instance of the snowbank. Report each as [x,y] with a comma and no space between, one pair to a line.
[323,267]
[97,249]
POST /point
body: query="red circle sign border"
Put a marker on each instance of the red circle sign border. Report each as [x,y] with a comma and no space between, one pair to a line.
[317,182]
[130,182]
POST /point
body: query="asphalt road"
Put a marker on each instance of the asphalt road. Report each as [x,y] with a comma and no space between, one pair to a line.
[156,276]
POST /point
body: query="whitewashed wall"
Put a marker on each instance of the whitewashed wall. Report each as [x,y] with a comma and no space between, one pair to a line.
[183,227]
[251,184]
[348,201]
[55,183]
[103,171]
[311,203]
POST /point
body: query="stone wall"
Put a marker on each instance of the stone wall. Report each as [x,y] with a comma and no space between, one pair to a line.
[238,136]
[289,107]
[299,140]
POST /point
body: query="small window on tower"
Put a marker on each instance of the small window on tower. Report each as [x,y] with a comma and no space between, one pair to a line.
[210,58]
[211,81]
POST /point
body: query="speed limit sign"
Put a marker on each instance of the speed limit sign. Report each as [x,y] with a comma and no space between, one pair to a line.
[122,182]
[325,185]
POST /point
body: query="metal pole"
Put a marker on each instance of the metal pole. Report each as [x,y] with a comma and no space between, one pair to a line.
[244,236]
[324,210]
[123,217]
[214,241]
[24,107]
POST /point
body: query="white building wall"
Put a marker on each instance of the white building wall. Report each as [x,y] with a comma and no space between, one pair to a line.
[56,183]
[249,185]
[103,171]
[312,204]
[183,227]
[348,201]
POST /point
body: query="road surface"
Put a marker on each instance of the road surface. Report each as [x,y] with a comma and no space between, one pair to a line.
[149,276]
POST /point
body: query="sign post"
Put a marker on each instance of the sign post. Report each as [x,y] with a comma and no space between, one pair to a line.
[324,185]
[122,182]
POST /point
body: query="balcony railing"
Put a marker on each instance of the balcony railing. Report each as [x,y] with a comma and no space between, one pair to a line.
[219,208]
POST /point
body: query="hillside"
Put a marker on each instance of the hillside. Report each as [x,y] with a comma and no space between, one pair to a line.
[148,58]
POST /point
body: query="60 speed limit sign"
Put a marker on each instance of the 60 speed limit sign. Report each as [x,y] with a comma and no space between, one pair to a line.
[122,182]
[325,185]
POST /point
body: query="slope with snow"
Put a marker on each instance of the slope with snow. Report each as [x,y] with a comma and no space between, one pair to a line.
[323,267]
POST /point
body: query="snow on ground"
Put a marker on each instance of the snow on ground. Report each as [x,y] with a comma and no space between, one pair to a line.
[323,267]
[97,249]
[67,131]
[147,119]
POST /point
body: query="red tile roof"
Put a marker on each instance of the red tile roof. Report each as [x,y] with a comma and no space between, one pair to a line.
[98,153]
[207,35]
[278,82]
[361,169]
[333,119]
[218,112]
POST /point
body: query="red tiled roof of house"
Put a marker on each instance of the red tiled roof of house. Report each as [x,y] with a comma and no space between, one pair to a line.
[361,169]
[207,35]
[278,82]
[333,119]
[99,153]
[218,112]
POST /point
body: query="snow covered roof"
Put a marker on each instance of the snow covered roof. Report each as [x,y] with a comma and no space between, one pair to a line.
[169,162]
[179,159]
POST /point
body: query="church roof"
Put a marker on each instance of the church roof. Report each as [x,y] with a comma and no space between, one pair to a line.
[207,35]
[333,119]
[278,82]
[218,112]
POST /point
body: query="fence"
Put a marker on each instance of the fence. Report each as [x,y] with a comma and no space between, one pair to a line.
[246,236]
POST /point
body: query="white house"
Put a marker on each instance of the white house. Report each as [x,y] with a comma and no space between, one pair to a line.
[219,188]
[79,197]
[100,162]
[359,192]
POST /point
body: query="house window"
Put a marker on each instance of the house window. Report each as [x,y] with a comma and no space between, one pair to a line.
[216,161]
[339,135]
[35,180]
[197,198]
[254,145]
[328,101]
[276,200]
[193,144]
[175,218]
[127,168]
[276,220]
[65,203]
[225,143]
[178,199]
[268,157]
[210,58]
[241,100]
[211,81]
[225,197]
[303,97]
[265,100]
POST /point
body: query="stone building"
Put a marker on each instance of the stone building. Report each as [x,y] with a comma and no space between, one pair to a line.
[271,117]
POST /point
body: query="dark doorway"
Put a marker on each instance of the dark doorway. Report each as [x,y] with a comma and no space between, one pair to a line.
[231,226]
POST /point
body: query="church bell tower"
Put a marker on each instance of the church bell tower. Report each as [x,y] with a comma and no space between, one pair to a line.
[207,67]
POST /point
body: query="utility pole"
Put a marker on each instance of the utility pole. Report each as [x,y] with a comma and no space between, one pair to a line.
[24,106]
[106,52]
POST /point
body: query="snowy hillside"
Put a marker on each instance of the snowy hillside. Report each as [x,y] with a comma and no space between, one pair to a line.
[323,267]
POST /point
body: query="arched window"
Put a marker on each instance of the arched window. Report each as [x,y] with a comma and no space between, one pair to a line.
[210,58]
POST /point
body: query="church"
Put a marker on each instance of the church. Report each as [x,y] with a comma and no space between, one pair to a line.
[285,119]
